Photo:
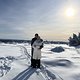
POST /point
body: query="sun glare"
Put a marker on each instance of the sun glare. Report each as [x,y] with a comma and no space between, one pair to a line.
[70,12]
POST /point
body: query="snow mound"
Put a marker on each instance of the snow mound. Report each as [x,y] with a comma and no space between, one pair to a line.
[5,65]
[57,49]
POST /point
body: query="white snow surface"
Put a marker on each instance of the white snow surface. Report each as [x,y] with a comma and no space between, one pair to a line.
[15,63]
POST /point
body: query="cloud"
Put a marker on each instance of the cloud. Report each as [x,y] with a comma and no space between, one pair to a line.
[22,18]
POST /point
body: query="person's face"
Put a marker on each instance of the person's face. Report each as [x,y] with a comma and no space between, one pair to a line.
[36,36]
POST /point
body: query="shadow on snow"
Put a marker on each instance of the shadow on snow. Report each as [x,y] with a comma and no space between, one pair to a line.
[76,76]
[61,62]
[25,74]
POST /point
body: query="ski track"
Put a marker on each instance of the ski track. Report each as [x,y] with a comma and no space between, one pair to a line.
[26,74]
[21,76]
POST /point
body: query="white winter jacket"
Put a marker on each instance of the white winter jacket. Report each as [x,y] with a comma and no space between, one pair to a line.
[37,52]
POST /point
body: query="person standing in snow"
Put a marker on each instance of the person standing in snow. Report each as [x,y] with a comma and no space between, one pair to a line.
[37,46]
[32,41]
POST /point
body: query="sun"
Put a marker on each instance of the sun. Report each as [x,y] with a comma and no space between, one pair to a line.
[70,12]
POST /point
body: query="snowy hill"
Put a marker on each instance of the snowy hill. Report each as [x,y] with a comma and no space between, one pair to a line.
[15,63]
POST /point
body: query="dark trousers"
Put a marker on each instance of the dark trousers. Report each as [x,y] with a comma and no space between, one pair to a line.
[36,63]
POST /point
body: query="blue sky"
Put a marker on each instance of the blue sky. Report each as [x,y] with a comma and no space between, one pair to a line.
[21,19]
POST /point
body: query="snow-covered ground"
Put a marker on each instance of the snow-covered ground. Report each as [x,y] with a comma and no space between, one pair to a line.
[15,63]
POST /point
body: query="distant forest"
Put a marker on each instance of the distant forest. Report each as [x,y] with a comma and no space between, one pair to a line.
[29,41]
